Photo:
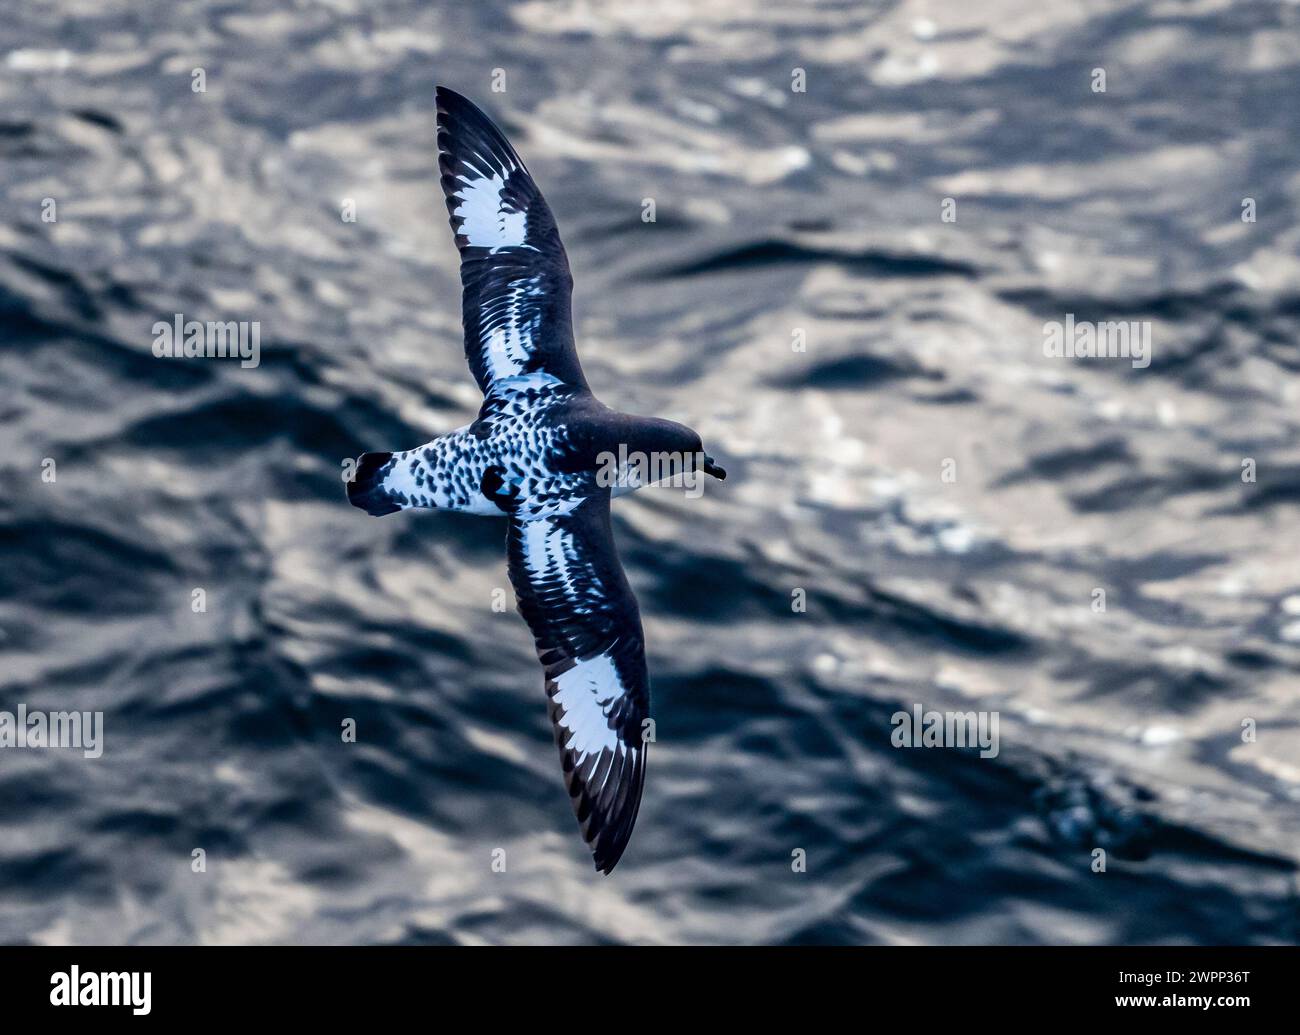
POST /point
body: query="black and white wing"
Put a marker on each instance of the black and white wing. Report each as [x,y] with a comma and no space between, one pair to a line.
[513,270]
[574,596]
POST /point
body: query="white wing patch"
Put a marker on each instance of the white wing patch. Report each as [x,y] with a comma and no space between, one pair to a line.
[545,553]
[543,546]
[586,693]
[509,342]
[487,222]
[533,381]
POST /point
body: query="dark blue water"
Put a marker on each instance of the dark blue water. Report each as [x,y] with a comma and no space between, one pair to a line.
[780,216]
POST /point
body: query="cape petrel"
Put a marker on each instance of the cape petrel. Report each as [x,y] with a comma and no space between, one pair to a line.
[539,454]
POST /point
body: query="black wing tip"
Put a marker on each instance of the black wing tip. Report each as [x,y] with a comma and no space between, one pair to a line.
[605,819]
[608,824]
[446,93]
[605,855]
[453,106]
[461,122]
[449,100]
[606,866]
[613,831]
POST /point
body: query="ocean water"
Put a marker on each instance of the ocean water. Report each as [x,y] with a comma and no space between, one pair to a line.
[944,499]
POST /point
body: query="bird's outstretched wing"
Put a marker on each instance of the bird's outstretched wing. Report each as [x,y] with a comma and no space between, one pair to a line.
[574,596]
[513,270]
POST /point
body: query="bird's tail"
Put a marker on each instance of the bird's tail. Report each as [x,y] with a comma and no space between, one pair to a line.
[366,489]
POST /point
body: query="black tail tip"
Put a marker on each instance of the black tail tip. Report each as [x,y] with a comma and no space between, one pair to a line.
[365,491]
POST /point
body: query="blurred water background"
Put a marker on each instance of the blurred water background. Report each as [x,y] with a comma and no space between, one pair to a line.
[781,217]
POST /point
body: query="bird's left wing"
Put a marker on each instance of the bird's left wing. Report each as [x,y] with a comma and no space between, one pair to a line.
[515,280]
[574,596]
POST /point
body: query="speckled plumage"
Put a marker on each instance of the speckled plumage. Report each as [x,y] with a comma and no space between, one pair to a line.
[534,454]
[522,430]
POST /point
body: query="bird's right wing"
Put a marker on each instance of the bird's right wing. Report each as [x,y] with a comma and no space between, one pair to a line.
[515,279]
[574,596]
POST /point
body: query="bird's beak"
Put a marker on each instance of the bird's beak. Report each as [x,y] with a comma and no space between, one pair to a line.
[711,468]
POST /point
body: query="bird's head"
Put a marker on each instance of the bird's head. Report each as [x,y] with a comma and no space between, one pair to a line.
[658,450]
[667,438]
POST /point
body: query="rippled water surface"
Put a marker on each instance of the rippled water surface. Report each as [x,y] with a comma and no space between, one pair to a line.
[781,218]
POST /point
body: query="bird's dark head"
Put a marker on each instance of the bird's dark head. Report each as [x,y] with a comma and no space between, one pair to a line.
[660,449]
[669,439]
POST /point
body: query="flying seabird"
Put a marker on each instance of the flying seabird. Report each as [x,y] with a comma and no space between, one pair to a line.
[542,453]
